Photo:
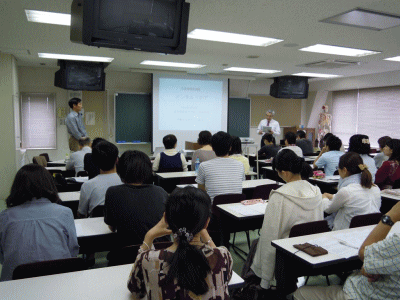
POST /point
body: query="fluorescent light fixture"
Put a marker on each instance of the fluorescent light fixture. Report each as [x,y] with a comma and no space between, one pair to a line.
[396,58]
[75,57]
[250,70]
[336,50]
[319,75]
[364,18]
[235,38]
[171,64]
[48,17]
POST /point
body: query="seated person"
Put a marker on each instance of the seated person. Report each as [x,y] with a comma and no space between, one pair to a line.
[193,267]
[205,152]
[380,275]
[294,203]
[170,160]
[270,149]
[290,143]
[236,153]
[356,195]
[359,143]
[76,158]
[134,207]
[322,142]
[88,165]
[34,227]
[329,156]
[389,172]
[305,144]
[221,175]
[380,158]
[93,192]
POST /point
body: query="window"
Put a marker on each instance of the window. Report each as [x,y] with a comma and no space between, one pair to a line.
[373,112]
[38,121]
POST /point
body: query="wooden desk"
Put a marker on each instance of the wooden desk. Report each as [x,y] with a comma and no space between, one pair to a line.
[101,284]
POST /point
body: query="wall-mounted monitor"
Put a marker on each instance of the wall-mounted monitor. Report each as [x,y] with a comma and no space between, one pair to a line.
[290,87]
[152,26]
[80,75]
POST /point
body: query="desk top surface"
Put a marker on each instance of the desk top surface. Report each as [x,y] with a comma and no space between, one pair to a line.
[240,211]
[56,168]
[384,194]
[91,227]
[187,174]
[103,283]
[247,184]
[69,196]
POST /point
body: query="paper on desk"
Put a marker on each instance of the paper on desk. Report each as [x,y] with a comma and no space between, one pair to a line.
[354,238]
[81,179]
[333,246]
[79,229]
[249,210]
[395,192]
[332,178]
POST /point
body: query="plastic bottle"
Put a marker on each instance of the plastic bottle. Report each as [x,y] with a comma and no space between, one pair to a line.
[197,165]
[66,157]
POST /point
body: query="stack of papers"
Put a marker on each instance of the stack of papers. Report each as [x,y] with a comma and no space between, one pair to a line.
[395,192]
[249,210]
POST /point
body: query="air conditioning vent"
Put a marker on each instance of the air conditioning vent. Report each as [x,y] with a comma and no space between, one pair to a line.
[330,64]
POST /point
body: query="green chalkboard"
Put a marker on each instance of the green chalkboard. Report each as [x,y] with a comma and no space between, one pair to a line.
[133,118]
[239,117]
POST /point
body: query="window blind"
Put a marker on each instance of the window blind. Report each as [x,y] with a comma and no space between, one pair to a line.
[38,121]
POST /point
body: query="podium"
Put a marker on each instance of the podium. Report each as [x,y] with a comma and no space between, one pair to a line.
[191,145]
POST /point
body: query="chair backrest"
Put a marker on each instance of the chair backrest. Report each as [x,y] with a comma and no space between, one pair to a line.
[225,199]
[46,156]
[127,255]
[49,267]
[309,228]
[365,220]
[82,174]
[98,211]
[40,160]
[263,191]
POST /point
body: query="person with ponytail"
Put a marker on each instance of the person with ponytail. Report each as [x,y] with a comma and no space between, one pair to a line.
[294,203]
[193,267]
[357,195]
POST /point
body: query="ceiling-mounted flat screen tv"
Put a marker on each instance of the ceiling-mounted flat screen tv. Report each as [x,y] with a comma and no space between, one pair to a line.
[80,75]
[144,25]
[290,87]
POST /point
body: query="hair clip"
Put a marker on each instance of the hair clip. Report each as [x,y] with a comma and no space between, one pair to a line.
[182,232]
[363,167]
[365,141]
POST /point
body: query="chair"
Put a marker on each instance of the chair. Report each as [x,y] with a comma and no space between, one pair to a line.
[365,220]
[40,160]
[49,267]
[98,211]
[82,174]
[215,226]
[310,228]
[127,255]
[263,191]
[46,156]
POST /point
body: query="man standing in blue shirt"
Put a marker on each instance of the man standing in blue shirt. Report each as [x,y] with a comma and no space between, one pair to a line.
[75,126]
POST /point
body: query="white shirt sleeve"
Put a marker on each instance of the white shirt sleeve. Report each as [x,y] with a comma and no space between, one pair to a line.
[184,163]
[259,128]
[156,162]
[276,128]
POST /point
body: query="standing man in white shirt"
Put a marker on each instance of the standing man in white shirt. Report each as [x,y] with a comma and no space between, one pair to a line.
[269,122]
[75,126]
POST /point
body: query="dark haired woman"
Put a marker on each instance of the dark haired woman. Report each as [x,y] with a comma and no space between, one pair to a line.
[389,172]
[269,148]
[193,267]
[135,206]
[294,203]
[205,152]
[381,157]
[359,143]
[33,227]
[236,153]
[357,195]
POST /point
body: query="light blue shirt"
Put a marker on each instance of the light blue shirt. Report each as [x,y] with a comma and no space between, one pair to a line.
[76,160]
[36,230]
[75,125]
[329,161]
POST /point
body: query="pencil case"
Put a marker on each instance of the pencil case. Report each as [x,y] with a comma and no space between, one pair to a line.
[311,249]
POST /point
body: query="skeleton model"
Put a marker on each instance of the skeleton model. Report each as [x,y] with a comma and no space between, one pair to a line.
[324,123]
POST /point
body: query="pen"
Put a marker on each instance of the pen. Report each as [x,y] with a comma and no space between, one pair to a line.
[348,245]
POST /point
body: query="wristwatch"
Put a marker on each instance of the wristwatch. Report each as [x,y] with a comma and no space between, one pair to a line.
[387,220]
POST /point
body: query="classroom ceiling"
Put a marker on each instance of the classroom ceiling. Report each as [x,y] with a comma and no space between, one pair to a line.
[294,21]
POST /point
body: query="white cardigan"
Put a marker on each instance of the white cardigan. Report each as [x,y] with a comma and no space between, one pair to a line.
[352,200]
[294,203]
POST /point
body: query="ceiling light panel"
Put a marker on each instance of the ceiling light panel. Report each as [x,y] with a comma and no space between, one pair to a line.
[250,70]
[336,50]
[317,75]
[75,57]
[364,18]
[171,64]
[396,58]
[234,38]
[48,17]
